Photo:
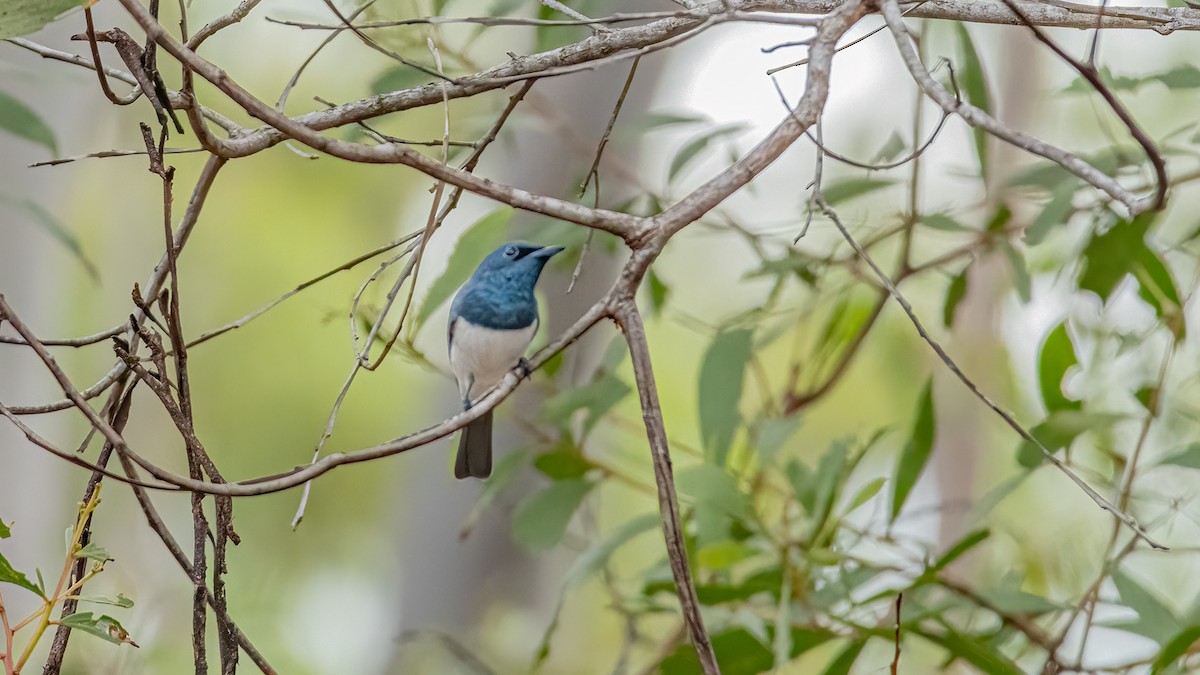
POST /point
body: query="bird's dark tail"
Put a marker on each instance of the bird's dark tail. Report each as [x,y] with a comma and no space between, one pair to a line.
[475,449]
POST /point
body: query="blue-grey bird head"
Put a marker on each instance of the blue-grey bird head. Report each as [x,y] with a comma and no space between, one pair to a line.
[500,293]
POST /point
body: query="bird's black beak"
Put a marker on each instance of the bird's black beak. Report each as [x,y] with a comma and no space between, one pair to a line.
[546,252]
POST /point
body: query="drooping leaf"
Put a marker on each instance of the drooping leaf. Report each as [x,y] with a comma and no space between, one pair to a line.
[770,435]
[1055,360]
[1155,619]
[891,148]
[597,398]
[1188,457]
[12,576]
[659,292]
[970,649]
[1020,273]
[960,548]
[1110,257]
[102,626]
[954,295]
[22,17]
[479,240]
[849,188]
[722,373]
[1177,647]
[541,520]
[55,228]
[507,468]
[597,555]
[1157,288]
[1054,214]
[692,149]
[975,89]
[5,532]
[844,661]
[738,653]
[711,487]
[20,120]
[916,453]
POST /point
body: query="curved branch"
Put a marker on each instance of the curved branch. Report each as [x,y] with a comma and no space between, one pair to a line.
[978,118]
[630,321]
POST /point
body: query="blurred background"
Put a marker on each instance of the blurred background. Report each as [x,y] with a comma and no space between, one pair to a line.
[397,567]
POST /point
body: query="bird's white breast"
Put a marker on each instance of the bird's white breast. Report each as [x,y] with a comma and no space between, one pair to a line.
[481,356]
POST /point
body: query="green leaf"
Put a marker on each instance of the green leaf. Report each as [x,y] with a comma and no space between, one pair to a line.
[507,468]
[966,647]
[1189,457]
[891,148]
[597,398]
[692,149]
[22,17]
[975,89]
[1155,619]
[1020,273]
[960,548]
[844,190]
[479,240]
[721,377]
[102,626]
[1184,76]
[658,120]
[1177,647]
[1158,289]
[20,120]
[1059,430]
[5,532]
[597,555]
[397,78]
[563,464]
[541,520]
[771,433]
[954,295]
[1054,214]
[1055,360]
[119,601]
[738,653]
[46,220]
[941,221]
[1109,257]
[711,487]
[12,576]
[915,454]
[841,664]
[865,493]
[722,555]
[659,292]
[93,552]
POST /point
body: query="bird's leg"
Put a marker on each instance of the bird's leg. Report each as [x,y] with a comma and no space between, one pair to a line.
[524,369]
[467,392]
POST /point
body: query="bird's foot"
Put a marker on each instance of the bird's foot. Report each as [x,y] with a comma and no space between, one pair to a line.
[524,368]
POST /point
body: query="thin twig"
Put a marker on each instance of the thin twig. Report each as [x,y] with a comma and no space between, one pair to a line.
[1100,501]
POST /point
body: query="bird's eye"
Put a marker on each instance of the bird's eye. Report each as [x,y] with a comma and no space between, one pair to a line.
[510,252]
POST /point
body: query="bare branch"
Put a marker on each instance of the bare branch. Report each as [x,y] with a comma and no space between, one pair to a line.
[668,502]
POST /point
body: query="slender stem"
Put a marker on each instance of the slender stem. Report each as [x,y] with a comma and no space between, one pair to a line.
[668,502]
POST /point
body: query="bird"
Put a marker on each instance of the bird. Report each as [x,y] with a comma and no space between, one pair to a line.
[493,318]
